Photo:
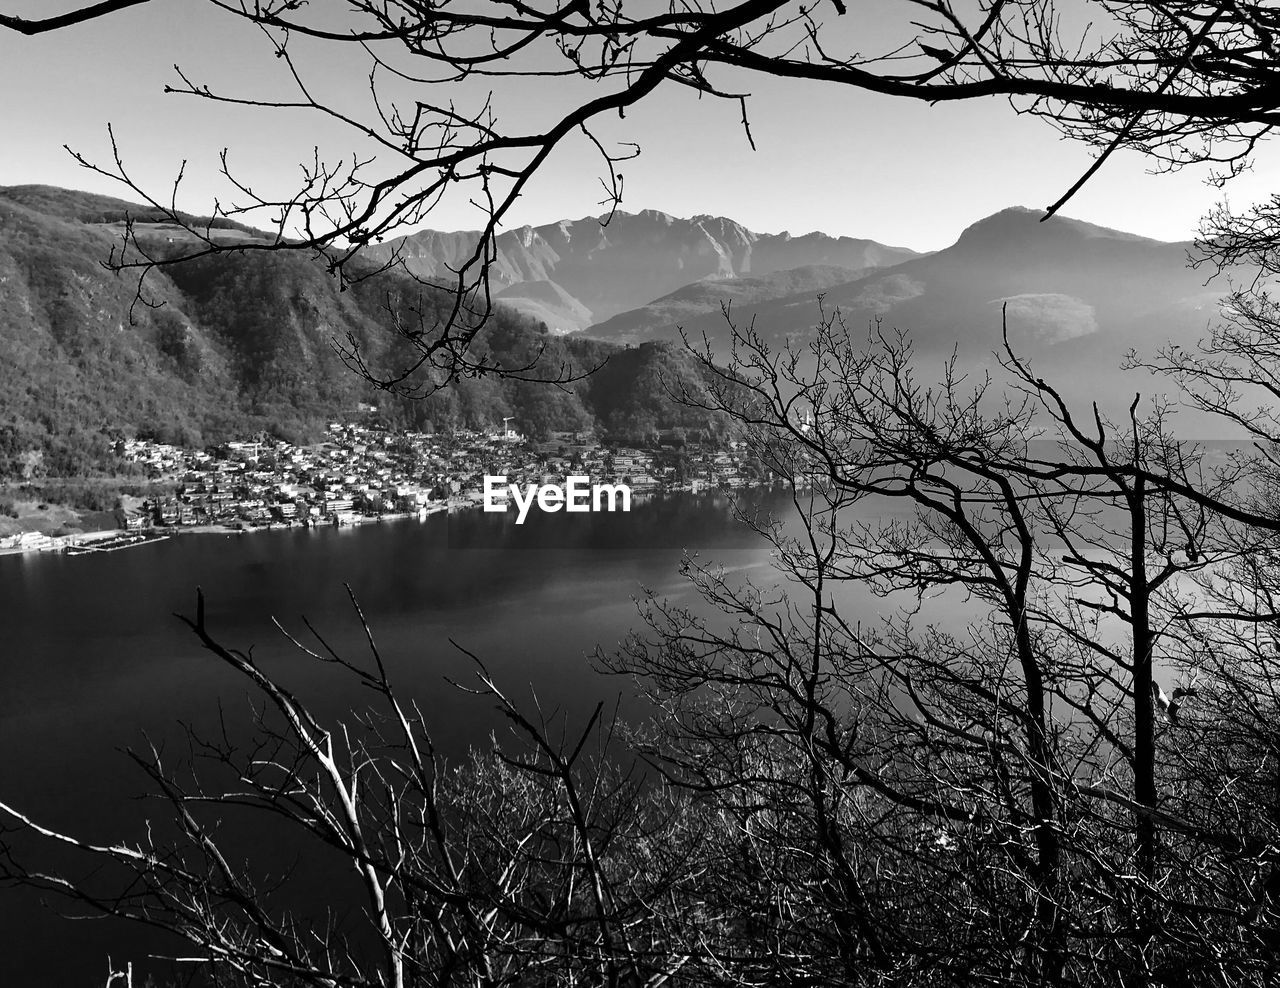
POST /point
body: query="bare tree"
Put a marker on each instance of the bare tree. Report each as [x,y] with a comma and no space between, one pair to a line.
[1053,756]
[544,861]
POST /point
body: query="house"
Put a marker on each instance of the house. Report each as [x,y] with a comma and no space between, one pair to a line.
[136,521]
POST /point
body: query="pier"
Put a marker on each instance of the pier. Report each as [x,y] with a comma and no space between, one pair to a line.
[114,542]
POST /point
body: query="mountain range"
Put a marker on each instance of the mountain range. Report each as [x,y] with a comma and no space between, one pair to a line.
[1076,298]
[575,273]
[242,341]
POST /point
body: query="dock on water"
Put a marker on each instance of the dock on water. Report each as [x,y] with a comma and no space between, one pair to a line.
[112,543]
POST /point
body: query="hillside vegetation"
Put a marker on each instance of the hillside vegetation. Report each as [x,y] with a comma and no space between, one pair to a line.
[233,344]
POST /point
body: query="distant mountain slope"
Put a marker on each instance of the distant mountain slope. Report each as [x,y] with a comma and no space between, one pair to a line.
[547,303]
[1077,297]
[634,259]
[710,296]
[1072,290]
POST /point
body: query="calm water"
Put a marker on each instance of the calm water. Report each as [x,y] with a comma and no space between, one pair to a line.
[91,658]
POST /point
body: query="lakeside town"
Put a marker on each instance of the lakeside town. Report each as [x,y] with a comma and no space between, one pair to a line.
[364,473]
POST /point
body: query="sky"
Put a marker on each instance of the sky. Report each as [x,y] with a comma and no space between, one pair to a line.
[841,161]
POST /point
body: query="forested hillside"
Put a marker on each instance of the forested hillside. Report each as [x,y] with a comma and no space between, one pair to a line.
[236,343]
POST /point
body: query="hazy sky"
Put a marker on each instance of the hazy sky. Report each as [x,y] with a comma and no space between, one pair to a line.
[839,161]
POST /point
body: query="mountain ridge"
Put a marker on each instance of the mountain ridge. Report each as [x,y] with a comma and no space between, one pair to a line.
[1075,298]
[1024,219]
[633,259]
[243,339]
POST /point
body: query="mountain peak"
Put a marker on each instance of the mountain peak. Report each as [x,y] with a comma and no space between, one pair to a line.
[634,259]
[647,215]
[1018,225]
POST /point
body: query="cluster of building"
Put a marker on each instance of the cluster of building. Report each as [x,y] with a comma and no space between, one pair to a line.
[33,542]
[362,472]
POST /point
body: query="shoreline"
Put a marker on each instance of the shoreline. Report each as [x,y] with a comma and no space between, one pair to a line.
[248,528]
[89,543]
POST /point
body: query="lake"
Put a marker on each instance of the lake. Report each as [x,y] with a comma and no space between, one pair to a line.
[93,659]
